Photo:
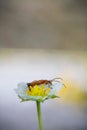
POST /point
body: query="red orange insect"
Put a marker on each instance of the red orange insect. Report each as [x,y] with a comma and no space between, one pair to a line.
[39,82]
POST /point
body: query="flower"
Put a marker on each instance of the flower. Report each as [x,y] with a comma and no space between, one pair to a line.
[38,92]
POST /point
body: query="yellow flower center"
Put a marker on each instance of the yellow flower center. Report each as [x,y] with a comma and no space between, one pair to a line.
[38,90]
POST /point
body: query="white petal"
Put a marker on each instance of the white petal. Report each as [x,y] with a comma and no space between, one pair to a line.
[55,88]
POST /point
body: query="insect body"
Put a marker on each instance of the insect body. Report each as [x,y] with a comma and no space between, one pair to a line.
[46,82]
[39,82]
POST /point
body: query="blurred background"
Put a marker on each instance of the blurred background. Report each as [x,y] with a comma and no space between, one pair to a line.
[43,39]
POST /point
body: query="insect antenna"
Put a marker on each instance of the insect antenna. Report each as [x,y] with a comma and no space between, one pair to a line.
[58,80]
[64,85]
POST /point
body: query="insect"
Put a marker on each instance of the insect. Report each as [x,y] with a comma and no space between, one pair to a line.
[46,82]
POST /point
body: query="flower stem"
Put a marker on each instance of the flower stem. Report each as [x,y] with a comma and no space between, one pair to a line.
[39,115]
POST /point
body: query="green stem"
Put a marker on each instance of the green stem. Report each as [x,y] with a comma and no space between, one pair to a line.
[39,114]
